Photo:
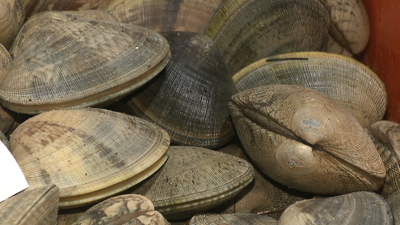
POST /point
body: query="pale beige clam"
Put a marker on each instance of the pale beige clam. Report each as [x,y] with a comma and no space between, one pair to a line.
[365,208]
[90,154]
[232,218]
[194,180]
[305,140]
[352,84]
[31,206]
[12,17]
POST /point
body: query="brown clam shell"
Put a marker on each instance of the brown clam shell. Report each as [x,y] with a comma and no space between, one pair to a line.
[305,140]
[11,19]
[232,218]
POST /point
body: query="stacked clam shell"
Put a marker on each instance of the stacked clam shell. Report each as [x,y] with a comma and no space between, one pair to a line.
[181,82]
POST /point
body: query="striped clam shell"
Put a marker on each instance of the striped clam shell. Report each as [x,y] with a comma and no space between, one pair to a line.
[343,79]
[89,154]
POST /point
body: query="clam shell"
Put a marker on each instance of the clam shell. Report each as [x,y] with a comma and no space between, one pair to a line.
[336,48]
[246,31]
[163,16]
[305,140]
[31,206]
[136,209]
[343,79]
[234,218]
[194,180]
[11,19]
[394,202]
[355,208]
[189,98]
[75,64]
[89,153]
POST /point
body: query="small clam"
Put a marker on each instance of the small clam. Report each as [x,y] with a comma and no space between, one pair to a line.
[123,209]
[365,208]
[343,79]
[11,19]
[89,154]
[194,180]
[81,63]
[31,206]
[189,98]
[232,218]
[306,140]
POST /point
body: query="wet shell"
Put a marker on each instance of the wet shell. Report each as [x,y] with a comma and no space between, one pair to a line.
[31,206]
[89,153]
[194,180]
[136,209]
[305,140]
[81,63]
[234,218]
[343,79]
[11,19]
[163,16]
[246,31]
[355,208]
[189,98]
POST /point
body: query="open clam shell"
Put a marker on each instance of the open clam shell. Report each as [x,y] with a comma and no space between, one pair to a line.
[163,16]
[355,208]
[135,209]
[194,180]
[246,31]
[31,206]
[189,98]
[343,79]
[11,19]
[306,140]
[81,63]
[89,153]
[232,218]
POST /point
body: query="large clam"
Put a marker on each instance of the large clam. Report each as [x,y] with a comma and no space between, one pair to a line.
[189,98]
[89,154]
[343,79]
[11,19]
[81,63]
[305,140]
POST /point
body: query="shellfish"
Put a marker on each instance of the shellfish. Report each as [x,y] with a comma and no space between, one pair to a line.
[232,218]
[12,17]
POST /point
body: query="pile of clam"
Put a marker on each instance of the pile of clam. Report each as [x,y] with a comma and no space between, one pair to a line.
[196,112]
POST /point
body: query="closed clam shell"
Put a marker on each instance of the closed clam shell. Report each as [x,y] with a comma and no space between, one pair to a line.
[343,79]
[306,140]
[336,48]
[31,206]
[131,209]
[194,180]
[6,118]
[232,218]
[189,98]
[246,31]
[81,63]
[89,154]
[163,16]
[11,19]
[394,202]
[355,208]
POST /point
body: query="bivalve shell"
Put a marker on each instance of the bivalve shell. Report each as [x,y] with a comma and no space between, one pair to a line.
[232,218]
[89,154]
[11,19]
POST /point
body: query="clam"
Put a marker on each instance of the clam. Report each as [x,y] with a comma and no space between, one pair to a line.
[90,154]
[366,208]
[306,140]
[343,79]
[336,48]
[232,218]
[394,202]
[189,98]
[81,63]
[123,209]
[11,19]
[31,206]
[163,16]
[194,180]
[246,31]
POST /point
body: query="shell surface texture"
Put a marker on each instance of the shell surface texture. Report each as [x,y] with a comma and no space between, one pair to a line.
[31,206]
[305,140]
[89,154]
[12,17]
[232,218]
[355,208]
[189,98]
[81,63]
[343,79]
[194,180]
